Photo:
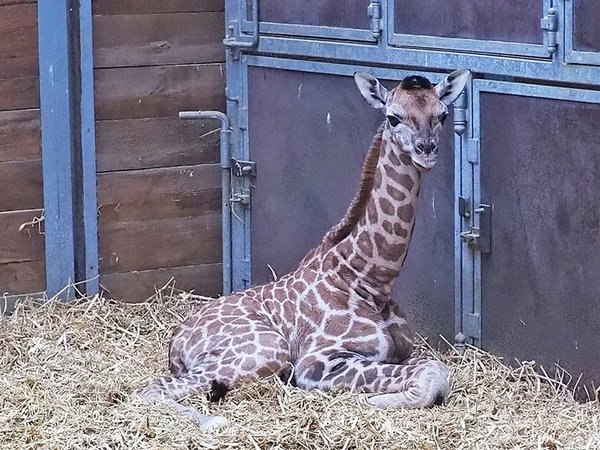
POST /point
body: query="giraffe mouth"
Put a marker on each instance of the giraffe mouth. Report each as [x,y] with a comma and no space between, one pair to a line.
[423,165]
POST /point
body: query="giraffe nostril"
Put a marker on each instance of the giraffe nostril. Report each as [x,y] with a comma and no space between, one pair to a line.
[426,148]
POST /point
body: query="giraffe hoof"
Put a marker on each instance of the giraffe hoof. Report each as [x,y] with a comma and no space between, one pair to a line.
[209,423]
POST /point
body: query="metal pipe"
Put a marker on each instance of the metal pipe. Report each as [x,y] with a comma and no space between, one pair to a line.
[225,160]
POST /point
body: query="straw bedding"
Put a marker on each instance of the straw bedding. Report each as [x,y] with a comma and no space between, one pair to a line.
[67,373]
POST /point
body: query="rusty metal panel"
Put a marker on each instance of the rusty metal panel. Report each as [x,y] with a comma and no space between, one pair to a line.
[309,134]
[540,283]
[328,13]
[483,19]
[586,33]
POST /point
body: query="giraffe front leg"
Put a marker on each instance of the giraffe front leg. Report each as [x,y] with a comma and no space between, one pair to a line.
[415,383]
[172,389]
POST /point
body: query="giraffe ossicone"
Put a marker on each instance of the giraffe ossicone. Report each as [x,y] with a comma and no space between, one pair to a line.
[332,322]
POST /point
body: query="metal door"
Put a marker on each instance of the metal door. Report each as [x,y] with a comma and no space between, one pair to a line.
[539,289]
[499,282]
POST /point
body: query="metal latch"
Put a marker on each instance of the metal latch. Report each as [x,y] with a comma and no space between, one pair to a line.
[242,197]
[471,237]
[549,24]
[241,168]
[480,238]
[374,13]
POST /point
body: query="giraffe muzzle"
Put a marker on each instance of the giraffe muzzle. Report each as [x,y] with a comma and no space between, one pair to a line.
[423,163]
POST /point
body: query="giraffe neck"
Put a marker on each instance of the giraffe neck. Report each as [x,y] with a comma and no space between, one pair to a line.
[375,241]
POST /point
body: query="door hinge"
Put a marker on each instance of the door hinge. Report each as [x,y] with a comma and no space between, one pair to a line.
[472,150]
[460,114]
[549,24]
[480,238]
[374,13]
[472,326]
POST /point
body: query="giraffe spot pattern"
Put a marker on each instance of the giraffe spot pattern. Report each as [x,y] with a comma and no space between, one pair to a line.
[394,193]
[406,213]
[387,207]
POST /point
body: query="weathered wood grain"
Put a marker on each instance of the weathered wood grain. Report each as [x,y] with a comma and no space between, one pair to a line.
[158,91]
[155,6]
[156,39]
[18,40]
[19,93]
[155,194]
[138,286]
[20,135]
[21,185]
[153,142]
[20,245]
[22,277]
[154,244]
[17,2]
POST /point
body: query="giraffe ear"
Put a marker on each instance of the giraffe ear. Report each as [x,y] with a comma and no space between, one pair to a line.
[451,87]
[371,89]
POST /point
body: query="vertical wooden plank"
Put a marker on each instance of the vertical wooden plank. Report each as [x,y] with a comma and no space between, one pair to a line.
[57,128]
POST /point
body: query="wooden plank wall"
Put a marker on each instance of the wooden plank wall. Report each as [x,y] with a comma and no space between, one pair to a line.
[158,177]
[22,267]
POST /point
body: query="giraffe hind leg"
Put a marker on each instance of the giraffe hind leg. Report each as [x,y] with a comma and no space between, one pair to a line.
[414,383]
[172,389]
[427,386]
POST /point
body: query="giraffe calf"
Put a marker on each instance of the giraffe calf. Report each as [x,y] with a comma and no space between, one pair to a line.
[332,321]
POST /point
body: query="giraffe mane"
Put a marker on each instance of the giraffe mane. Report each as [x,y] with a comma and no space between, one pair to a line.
[357,207]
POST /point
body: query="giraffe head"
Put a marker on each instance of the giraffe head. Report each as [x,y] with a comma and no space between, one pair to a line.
[415,111]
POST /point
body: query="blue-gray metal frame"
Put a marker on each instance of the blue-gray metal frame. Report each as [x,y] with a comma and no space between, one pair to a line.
[396,38]
[88,147]
[240,217]
[67,127]
[502,59]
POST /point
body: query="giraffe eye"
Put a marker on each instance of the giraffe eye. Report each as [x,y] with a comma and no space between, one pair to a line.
[443,117]
[393,120]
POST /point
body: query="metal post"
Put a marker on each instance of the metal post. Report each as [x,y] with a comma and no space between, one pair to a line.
[68,145]
[225,158]
[57,129]
[88,150]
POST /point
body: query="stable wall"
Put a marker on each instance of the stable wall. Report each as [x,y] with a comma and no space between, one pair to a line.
[158,177]
[22,267]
